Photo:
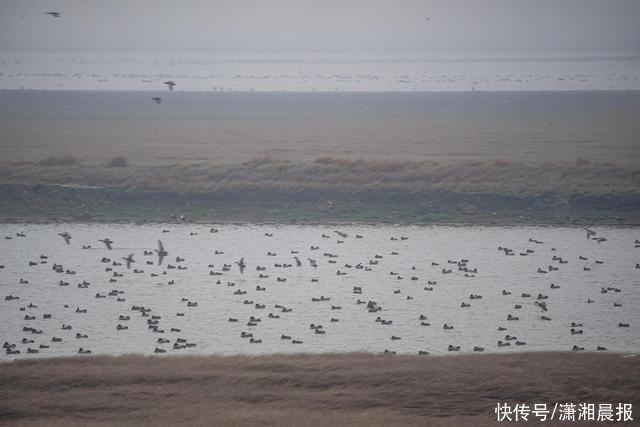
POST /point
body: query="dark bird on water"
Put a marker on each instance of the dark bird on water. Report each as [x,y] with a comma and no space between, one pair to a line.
[54,14]
[107,242]
[66,236]
[157,99]
[170,84]
[161,252]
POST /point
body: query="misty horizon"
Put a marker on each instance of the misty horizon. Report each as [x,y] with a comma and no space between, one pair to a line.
[495,27]
[306,45]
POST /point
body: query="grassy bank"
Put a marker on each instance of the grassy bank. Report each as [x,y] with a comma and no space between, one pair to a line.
[337,175]
[327,189]
[339,389]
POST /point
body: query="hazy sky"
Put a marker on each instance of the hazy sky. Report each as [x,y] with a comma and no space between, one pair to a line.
[450,27]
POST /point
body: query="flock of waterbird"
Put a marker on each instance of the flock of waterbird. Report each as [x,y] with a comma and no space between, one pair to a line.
[34,342]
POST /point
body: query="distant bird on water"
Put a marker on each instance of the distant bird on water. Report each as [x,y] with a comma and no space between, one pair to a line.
[66,236]
[157,99]
[170,84]
[107,242]
[54,14]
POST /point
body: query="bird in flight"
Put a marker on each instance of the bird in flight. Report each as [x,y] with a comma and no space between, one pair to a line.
[54,14]
[241,265]
[66,236]
[107,242]
[129,260]
[161,252]
[157,99]
[170,84]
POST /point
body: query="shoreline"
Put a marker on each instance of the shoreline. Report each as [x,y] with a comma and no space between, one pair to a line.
[61,211]
[329,389]
[239,222]
[326,92]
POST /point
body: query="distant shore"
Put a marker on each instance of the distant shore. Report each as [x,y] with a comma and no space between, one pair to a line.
[329,389]
[412,158]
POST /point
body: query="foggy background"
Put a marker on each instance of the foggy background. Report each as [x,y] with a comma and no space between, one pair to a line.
[372,45]
[458,27]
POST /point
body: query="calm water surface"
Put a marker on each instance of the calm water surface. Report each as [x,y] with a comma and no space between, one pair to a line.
[394,266]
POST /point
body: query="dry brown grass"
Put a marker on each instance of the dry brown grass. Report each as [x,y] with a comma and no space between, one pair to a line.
[333,389]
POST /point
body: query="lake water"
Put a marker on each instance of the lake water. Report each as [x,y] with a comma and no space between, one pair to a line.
[395,266]
[315,72]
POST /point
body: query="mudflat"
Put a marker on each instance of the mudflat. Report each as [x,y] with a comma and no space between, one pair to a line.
[328,389]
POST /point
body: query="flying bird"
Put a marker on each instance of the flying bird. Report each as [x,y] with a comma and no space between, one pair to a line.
[170,84]
[54,14]
[129,260]
[66,236]
[157,99]
[161,252]
[107,242]
[241,265]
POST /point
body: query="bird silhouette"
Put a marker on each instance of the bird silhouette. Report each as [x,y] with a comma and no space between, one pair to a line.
[161,252]
[53,14]
[66,236]
[170,84]
[107,242]
[157,99]
[129,260]
[241,265]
